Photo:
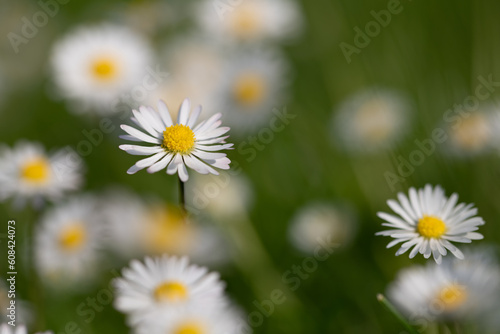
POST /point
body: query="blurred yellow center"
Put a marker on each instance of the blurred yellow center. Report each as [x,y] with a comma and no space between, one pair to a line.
[372,120]
[245,21]
[104,69]
[189,328]
[170,291]
[178,139]
[472,133]
[73,237]
[431,227]
[249,89]
[36,171]
[166,231]
[452,296]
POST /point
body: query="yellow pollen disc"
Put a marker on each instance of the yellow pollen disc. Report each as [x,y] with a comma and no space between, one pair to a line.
[249,89]
[170,291]
[431,227]
[104,69]
[189,328]
[452,296]
[73,237]
[36,171]
[245,21]
[178,139]
[472,133]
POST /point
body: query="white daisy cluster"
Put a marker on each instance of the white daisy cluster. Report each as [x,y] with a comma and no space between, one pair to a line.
[428,222]
[168,295]
[463,291]
[176,146]
[371,120]
[29,174]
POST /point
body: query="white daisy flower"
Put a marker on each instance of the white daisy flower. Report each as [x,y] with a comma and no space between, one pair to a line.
[18,329]
[28,173]
[254,83]
[429,222]
[161,285]
[456,290]
[177,145]
[196,320]
[255,20]
[472,135]
[134,228]
[195,65]
[370,120]
[94,66]
[318,220]
[67,242]
[227,195]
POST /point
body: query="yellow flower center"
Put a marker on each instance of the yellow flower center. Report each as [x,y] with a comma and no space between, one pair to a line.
[178,139]
[245,21]
[472,133]
[431,227]
[165,231]
[249,89]
[189,328]
[452,296]
[73,237]
[171,291]
[36,171]
[104,69]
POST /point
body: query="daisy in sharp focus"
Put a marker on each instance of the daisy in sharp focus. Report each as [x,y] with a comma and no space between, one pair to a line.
[94,66]
[177,145]
[159,286]
[429,222]
[67,243]
[28,173]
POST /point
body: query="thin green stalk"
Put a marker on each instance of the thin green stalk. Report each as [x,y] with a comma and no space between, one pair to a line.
[182,197]
[381,298]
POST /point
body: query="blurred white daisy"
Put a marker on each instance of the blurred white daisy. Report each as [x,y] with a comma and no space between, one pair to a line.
[456,290]
[196,320]
[67,242]
[136,228]
[28,173]
[371,120]
[177,145]
[18,329]
[195,65]
[253,84]
[319,220]
[94,66]
[472,135]
[255,20]
[429,222]
[161,285]
[227,195]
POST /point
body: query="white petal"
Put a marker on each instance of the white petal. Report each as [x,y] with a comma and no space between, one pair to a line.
[212,141]
[172,167]
[184,110]
[139,135]
[144,122]
[194,117]
[205,124]
[160,164]
[222,163]
[134,169]
[199,166]
[213,134]
[164,113]
[208,155]
[151,160]
[140,150]
[213,148]
[183,173]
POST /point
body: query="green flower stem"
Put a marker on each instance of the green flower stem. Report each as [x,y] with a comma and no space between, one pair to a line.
[381,298]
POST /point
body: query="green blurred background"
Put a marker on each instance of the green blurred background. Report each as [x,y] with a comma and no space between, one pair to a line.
[433,51]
